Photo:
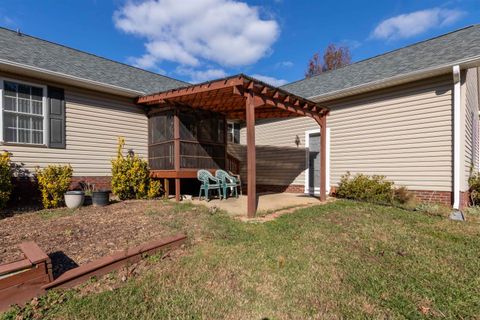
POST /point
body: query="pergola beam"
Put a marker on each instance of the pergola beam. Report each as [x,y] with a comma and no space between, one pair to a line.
[242,97]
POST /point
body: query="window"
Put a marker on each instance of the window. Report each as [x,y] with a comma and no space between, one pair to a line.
[23,113]
[233,132]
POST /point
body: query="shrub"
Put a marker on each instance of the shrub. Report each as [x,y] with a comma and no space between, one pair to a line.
[405,198]
[434,208]
[6,185]
[54,181]
[131,176]
[154,189]
[366,188]
[474,188]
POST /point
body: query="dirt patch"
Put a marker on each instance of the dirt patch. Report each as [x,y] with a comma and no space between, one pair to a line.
[72,238]
[274,214]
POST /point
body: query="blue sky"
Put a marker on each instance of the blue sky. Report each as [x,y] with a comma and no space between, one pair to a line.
[197,40]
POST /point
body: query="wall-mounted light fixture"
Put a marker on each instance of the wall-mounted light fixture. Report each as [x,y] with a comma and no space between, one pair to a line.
[297,140]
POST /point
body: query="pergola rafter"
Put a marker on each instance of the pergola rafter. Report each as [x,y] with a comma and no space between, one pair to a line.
[245,98]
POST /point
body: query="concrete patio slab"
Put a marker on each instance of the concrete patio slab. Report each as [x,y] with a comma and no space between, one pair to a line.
[267,203]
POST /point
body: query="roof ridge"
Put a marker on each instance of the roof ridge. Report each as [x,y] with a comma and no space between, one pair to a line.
[385,53]
[20,33]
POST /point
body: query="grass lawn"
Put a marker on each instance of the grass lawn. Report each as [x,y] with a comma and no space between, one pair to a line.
[340,260]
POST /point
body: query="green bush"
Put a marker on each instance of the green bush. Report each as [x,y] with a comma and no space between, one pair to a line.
[362,187]
[54,181]
[131,176]
[6,185]
[474,188]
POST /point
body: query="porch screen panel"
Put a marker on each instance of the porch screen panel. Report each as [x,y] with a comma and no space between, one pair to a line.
[202,135]
[161,145]
[198,155]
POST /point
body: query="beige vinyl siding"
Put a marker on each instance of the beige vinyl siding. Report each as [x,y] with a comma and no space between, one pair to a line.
[403,132]
[470,124]
[94,121]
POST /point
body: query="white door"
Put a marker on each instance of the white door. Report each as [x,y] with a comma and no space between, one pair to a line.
[312,174]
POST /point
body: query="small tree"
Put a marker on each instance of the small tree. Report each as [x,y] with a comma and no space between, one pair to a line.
[336,57]
[333,58]
[314,66]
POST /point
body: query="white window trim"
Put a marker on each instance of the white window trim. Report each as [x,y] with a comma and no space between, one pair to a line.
[44,111]
[316,190]
[233,123]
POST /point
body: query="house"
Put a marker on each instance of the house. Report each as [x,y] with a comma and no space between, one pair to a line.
[411,114]
[61,105]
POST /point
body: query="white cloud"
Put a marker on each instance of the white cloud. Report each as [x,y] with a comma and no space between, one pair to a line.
[284,64]
[197,76]
[270,80]
[415,23]
[189,32]
[351,44]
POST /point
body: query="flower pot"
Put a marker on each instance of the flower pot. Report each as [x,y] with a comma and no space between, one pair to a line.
[88,200]
[74,199]
[100,198]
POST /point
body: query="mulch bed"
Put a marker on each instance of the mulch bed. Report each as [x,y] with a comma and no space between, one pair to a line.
[72,238]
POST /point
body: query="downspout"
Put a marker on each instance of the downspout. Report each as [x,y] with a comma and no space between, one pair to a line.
[456,136]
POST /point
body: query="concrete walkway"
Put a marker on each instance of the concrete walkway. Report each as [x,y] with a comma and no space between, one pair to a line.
[267,203]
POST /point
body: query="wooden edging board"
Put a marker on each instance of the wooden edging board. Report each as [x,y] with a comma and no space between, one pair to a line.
[22,280]
[113,262]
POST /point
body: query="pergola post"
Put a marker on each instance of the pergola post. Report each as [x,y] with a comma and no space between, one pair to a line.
[323,159]
[322,122]
[176,152]
[251,157]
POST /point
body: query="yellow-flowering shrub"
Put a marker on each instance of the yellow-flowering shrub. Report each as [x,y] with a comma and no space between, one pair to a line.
[6,185]
[154,189]
[131,176]
[54,181]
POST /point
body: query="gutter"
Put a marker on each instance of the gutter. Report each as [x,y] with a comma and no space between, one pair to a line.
[85,82]
[445,68]
[456,136]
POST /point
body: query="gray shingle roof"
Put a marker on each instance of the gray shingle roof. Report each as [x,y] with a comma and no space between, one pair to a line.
[451,47]
[43,54]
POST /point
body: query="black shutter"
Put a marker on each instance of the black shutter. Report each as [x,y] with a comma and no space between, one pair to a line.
[56,121]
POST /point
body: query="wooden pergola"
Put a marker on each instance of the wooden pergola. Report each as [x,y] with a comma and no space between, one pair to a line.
[246,98]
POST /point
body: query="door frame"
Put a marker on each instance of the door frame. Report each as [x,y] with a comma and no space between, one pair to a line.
[307,189]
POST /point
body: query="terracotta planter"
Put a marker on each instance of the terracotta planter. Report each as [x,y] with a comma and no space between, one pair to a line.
[74,199]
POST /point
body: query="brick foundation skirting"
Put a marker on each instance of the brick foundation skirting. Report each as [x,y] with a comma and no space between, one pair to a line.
[26,192]
[100,182]
[444,197]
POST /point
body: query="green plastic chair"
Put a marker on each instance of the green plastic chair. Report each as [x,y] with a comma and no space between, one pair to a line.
[228,181]
[209,182]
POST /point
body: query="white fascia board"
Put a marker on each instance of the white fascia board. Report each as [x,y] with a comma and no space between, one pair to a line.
[10,66]
[387,82]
